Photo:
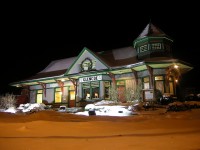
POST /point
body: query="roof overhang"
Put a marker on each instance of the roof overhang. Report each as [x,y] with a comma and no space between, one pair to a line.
[41,80]
[140,66]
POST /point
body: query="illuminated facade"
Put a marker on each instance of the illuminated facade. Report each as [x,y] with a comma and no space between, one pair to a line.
[90,76]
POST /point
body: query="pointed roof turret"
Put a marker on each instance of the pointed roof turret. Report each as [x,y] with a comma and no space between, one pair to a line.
[152,42]
[151,30]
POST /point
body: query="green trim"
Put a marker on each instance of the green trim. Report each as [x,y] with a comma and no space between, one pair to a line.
[80,54]
[147,38]
[49,87]
[124,80]
[140,68]
[78,75]
[36,80]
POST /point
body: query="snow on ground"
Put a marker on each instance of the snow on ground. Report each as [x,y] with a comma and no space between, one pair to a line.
[50,130]
[105,110]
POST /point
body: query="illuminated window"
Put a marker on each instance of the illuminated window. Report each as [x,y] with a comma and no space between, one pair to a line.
[146,79]
[146,82]
[39,96]
[121,82]
[143,48]
[90,90]
[159,83]
[146,85]
[156,46]
[171,88]
[86,90]
[95,89]
[72,95]
[159,78]
[58,95]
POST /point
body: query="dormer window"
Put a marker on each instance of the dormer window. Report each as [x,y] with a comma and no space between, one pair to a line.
[143,48]
[156,46]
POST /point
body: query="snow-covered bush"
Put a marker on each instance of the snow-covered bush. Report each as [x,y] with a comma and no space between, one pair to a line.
[7,101]
[193,104]
[11,110]
[89,107]
[177,106]
[114,94]
[181,106]
[28,107]
[104,102]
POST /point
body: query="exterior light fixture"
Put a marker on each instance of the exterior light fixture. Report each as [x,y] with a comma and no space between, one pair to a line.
[176,66]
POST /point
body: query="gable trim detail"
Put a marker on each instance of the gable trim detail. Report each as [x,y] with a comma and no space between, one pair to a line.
[80,54]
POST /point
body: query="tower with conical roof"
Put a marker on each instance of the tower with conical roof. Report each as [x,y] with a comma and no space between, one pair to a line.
[153,42]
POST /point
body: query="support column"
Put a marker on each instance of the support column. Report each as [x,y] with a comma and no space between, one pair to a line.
[112,76]
[150,70]
[43,87]
[61,85]
[175,73]
[135,75]
[74,82]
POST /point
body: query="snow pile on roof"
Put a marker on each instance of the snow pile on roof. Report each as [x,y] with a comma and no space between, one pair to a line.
[124,53]
[59,64]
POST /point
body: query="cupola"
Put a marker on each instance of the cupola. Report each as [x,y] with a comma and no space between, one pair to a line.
[153,42]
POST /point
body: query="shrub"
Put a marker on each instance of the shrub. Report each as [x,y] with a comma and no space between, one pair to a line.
[114,95]
[129,95]
[7,101]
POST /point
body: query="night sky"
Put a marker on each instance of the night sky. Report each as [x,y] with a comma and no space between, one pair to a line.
[32,38]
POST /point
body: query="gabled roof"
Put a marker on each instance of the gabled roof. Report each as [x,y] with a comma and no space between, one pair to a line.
[151,30]
[56,68]
[62,64]
[88,53]
[48,74]
[119,57]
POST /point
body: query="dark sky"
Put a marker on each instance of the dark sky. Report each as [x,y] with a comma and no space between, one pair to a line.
[33,37]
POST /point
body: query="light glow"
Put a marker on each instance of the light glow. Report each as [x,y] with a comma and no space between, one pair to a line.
[176,66]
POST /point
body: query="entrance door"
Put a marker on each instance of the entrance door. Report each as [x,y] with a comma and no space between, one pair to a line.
[72,98]
[121,92]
